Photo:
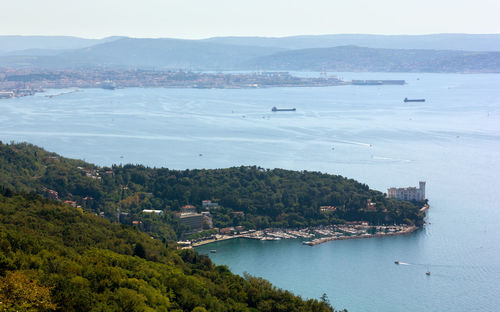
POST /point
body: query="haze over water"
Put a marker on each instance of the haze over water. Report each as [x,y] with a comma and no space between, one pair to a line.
[452,141]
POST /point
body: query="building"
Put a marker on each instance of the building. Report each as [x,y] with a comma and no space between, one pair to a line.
[188,208]
[207,204]
[71,203]
[370,206]
[327,208]
[51,194]
[239,228]
[158,212]
[207,218]
[407,193]
[227,230]
[191,219]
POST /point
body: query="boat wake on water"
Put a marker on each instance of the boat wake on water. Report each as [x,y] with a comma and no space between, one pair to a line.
[390,159]
[429,265]
[353,143]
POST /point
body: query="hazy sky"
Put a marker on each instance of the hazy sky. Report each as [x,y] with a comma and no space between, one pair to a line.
[207,18]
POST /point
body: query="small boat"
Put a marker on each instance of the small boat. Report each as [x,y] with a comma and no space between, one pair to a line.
[275,109]
[428,273]
[396,262]
[406,100]
[213,251]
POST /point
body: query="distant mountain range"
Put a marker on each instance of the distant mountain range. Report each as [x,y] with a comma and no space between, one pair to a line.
[352,58]
[465,42]
[429,53]
[16,44]
[144,53]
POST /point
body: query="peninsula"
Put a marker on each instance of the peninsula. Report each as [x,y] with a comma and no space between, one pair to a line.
[174,205]
[94,229]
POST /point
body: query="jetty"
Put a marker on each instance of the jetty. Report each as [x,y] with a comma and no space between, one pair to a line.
[61,93]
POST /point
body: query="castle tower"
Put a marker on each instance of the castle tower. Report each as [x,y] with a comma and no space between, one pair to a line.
[422,188]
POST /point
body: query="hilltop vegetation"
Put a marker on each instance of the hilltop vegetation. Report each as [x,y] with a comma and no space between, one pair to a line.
[55,257]
[267,198]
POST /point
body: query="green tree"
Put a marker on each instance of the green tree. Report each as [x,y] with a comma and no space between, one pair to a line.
[139,251]
[20,293]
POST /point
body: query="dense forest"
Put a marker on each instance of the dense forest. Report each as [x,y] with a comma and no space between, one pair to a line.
[55,257]
[267,198]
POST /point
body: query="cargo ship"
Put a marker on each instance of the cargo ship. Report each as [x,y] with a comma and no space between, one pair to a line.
[406,100]
[108,85]
[275,109]
[377,82]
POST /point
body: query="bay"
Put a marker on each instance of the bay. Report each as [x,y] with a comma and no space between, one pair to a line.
[368,133]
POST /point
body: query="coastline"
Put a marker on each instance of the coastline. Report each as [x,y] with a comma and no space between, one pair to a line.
[318,235]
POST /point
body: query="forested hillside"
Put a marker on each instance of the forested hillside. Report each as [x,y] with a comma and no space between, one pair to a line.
[55,257]
[267,198]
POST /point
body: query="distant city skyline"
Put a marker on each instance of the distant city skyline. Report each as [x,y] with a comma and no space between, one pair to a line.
[196,19]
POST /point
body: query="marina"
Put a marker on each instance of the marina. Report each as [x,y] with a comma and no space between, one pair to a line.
[318,235]
[393,231]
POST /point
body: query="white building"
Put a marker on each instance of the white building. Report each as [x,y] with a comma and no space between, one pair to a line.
[207,204]
[407,193]
[158,212]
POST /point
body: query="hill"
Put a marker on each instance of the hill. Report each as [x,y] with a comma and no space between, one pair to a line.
[268,198]
[353,58]
[146,53]
[12,44]
[429,53]
[462,42]
[55,257]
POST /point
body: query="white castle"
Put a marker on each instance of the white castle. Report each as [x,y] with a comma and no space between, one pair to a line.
[407,193]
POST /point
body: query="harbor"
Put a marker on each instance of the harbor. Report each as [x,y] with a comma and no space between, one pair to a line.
[313,235]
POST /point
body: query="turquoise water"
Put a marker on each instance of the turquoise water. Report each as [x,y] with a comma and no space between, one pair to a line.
[452,141]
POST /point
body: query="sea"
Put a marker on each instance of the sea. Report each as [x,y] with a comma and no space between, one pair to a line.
[451,141]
